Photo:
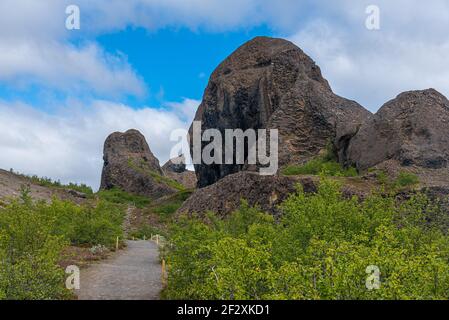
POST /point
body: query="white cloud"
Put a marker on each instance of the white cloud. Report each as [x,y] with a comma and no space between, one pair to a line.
[68,68]
[409,52]
[34,49]
[68,145]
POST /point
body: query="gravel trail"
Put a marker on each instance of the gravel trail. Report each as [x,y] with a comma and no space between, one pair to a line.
[131,274]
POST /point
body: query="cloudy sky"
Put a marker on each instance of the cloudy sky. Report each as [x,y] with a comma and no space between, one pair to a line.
[144,64]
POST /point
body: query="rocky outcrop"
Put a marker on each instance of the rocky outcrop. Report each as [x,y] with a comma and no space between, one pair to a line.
[409,131]
[176,169]
[272,84]
[130,165]
[267,192]
[225,196]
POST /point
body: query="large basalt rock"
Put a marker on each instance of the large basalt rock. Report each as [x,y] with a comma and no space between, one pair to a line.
[176,169]
[411,130]
[272,84]
[225,196]
[266,192]
[130,165]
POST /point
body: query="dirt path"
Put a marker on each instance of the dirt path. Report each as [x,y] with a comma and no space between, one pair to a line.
[132,274]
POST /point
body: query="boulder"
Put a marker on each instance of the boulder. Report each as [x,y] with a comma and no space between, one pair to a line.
[130,165]
[270,83]
[225,196]
[411,130]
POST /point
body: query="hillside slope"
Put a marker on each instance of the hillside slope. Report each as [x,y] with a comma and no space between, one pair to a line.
[11,184]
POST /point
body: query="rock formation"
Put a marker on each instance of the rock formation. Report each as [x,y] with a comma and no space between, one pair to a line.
[130,165]
[409,131]
[266,192]
[176,169]
[225,196]
[272,84]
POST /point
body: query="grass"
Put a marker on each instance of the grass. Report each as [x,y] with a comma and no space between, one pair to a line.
[168,207]
[169,182]
[406,179]
[403,180]
[118,196]
[155,218]
[155,175]
[321,166]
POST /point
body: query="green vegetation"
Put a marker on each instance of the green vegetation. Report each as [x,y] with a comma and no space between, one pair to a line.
[169,182]
[33,235]
[169,206]
[321,166]
[120,197]
[146,231]
[325,165]
[143,168]
[320,249]
[48,182]
[406,179]
[403,180]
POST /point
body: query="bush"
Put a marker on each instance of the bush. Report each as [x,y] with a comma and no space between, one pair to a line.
[33,234]
[29,252]
[320,249]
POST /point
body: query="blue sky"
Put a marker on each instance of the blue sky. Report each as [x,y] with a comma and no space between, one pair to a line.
[144,64]
[175,63]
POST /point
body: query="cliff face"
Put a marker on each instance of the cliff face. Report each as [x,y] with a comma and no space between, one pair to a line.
[130,165]
[272,84]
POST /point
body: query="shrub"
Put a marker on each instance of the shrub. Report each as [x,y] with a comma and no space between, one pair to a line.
[320,249]
[29,253]
[33,234]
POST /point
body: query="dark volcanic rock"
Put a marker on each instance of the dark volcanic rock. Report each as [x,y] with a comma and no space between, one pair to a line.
[130,165]
[411,130]
[176,169]
[225,196]
[272,84]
